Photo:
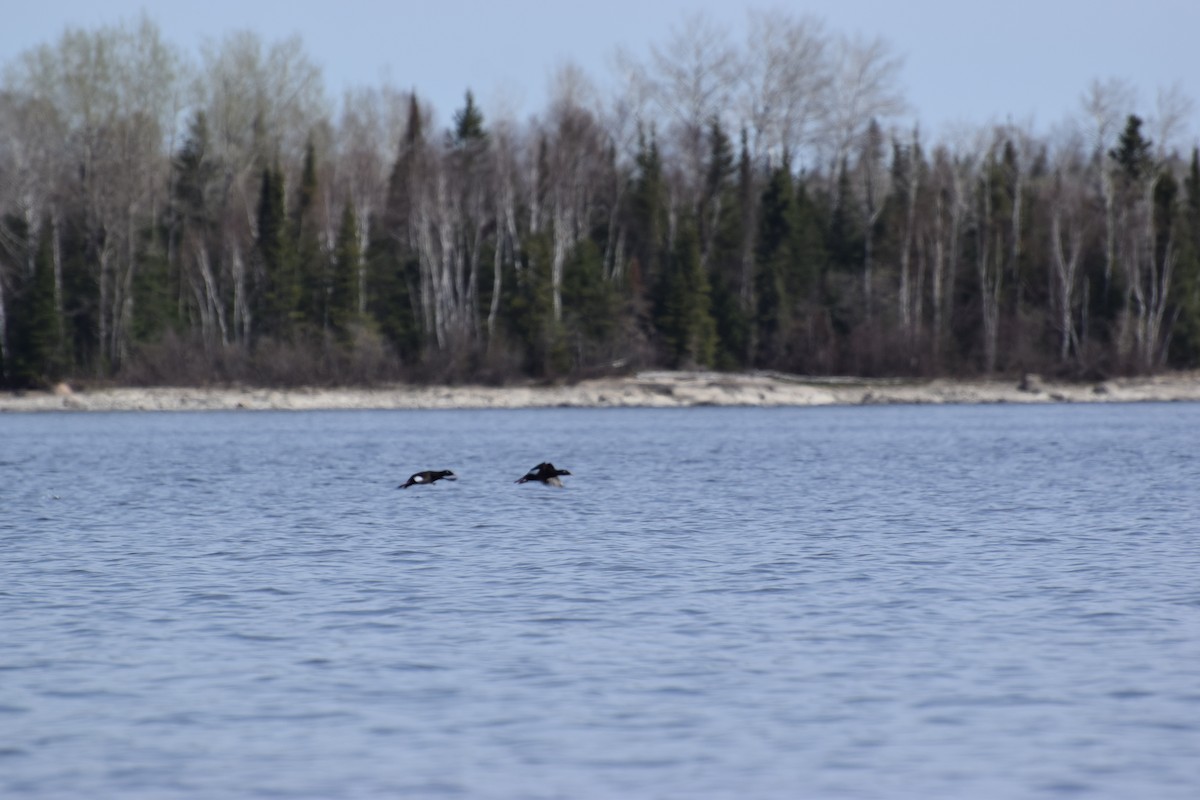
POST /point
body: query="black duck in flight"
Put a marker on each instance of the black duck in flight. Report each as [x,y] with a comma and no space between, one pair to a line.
[545,473]
[428,476]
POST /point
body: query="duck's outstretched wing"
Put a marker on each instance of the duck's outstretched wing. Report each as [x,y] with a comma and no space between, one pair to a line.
[535,474]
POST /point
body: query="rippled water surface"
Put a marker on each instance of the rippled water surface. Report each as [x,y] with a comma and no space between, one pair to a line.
[913,602]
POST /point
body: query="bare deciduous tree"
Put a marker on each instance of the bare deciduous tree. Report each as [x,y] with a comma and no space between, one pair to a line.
[261,105]
[787,81]
[1067,201]
[692,80]
[864,87]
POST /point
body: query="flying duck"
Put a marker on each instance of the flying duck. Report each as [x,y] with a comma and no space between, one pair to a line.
[546,473]
[428,476]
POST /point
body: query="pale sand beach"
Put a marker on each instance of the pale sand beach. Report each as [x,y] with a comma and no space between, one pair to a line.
[645,390]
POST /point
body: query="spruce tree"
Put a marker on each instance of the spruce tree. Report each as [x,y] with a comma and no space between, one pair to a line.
[1185,342]
[1132,153]
[468,122]
[279,290]
[312,282]
[685,320]
[530,311]
[345,271]
[773,260]
[648,217]
[805,280]
[36,347]
[393,295]
[590,302]
[722,236]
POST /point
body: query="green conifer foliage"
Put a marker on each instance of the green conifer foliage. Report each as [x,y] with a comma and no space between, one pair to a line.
[1185,346]
[722,219]
[468,122]
[1132,153]
[36,346]
[591,304]
[647,217]
[531,311]
[279,292]
[774,262]
[685,320]
[312,282]
[346,269]
[393,293]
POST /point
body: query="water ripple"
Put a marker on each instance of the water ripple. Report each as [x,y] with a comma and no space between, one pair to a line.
[961,602]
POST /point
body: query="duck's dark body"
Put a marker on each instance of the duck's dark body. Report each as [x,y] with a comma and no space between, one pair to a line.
[428,476]
[545,473]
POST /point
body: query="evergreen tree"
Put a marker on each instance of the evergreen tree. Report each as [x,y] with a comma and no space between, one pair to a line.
[312,283]
[279,289]
[722,236]
[530,312]
[468,123]
[806,283]
[345,272]
[809,256]
[1185,342]
[774,260]
[156,292]
[590,303]
[685,320]
[393,297]
[193,172]
[393,271]
[647,218]
[193,240]
[713,213]
[844,236]
[36,346]
[1132,153]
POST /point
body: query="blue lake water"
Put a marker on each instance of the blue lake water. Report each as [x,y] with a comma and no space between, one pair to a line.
[883,602]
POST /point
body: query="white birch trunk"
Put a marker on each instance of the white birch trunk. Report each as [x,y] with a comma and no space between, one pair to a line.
[1066,268]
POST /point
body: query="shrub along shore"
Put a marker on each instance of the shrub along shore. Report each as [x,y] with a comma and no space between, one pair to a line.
[645,390]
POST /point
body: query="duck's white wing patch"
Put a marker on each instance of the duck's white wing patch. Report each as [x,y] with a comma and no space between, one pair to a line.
[418,479]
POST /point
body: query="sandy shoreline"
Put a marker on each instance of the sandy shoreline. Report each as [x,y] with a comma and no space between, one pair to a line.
[647,390]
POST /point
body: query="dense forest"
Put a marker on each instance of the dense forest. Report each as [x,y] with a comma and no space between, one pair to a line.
[166,218]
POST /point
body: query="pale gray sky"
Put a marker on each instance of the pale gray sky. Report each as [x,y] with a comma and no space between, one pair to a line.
[969,61]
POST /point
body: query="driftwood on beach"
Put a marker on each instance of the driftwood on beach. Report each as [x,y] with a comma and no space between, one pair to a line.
[646,389]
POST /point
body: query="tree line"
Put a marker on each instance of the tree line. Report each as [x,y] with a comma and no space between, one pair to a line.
[175,220]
